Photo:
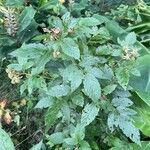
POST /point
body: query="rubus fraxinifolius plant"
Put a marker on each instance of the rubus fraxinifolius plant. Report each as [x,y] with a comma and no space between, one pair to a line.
[80,76]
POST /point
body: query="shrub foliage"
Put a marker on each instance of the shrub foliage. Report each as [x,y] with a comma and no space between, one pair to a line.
[83,78]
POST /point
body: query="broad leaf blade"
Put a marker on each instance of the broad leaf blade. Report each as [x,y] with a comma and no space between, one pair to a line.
[92,87]
[51,114]
[142,84]
[90,111]
[5,141]
[70,48]
[89,21]
[26,18]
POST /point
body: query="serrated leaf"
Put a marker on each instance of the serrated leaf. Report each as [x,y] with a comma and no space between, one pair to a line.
[29,51]
[79,133]
[129,130]
[92,87]
[26,18]
[89,21]
[122,101]
[131,38]
[109,89]
[123,120]
[35,83]
[90,111]
[40,64]
[95,71]
[74,75]
[52,112]
[78,100]
[59,90]
[5,141]
[70,48]
[44,102]
[122,76]
[107,72]
[112,121]
[88,60]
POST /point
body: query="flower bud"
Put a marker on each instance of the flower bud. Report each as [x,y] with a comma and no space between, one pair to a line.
[23,102]
[7,118]
[3,104]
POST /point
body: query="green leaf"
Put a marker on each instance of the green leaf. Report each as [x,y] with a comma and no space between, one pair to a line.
[78,100]
[5,141]
[141,120]
[56,138]
[131,38]
[70,48]
[84,146]
[122,75]
[44,102]
[92,87]
[101,18]
[14,2]
[26,18]
[37,146]
[145,96]
[107,73]
[40,64]
[122,118]
[59,90]
[89,21]
[130,130]
[94,71]
[135,72]
[145,145]
[109,89]
[74,75]
[29,51]
[52,112]
[90,111]
[141,84]
[71,141]
[35,83]
[116,31]
[79,133]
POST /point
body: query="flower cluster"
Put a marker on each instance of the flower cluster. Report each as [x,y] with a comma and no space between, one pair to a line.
[14,76]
